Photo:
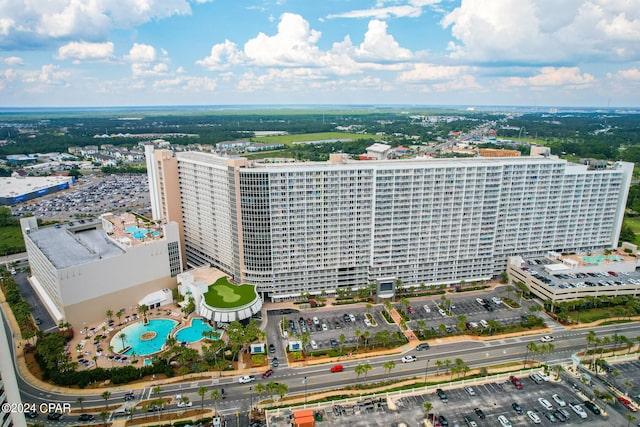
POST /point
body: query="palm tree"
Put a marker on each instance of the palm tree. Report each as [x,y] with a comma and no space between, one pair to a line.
[439,364]
[106,395]
[342,338]
[629,419]
[79,401]
[628,384]
[366,336]
[109,314]
[531,348]
[388,366]
[259,389]
[202,391]
[357,334]
[119,316]
[215,395]
[103,416]
[591,337]
[366,367]
[359,370]
[427,407]
[122,336]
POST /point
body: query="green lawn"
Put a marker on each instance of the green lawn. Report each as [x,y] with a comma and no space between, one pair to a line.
[290,139]
[11,241]
[593,314]
[634,223]
[223,294]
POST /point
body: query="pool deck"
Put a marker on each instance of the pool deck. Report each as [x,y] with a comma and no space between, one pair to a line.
[122,221]
[89,350]
[579,258]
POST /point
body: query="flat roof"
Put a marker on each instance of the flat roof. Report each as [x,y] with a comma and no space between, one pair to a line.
[12,187]
[66,248]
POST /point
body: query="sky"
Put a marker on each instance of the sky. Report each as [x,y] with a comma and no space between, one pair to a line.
[94,53]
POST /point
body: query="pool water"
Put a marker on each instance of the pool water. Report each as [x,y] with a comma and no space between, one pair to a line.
[193,332]
[140,233]
[133,337]
[599,258]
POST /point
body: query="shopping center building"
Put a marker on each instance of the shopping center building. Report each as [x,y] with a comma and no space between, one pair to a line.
[309,227]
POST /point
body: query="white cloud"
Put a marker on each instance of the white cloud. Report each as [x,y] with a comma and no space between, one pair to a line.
[86,51]
[544,31]
[146,62]
[379,45]
[632,74]
[293,45]
[35,21]
[13,60]
[222,56]
[432,72]
[141,53]
[411,10]
[551,77]
[48,75]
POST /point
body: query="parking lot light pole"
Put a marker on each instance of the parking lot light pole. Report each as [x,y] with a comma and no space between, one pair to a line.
[251,396]
[305,390]
[426,372]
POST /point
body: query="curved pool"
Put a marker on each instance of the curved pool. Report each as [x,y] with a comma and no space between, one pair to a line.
[143,339]
[193,332]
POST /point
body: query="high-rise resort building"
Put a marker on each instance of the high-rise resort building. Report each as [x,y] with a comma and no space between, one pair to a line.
[84,268]
[308,227]
[9,391]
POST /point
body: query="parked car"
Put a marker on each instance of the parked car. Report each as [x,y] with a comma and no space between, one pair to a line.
[408,359]
[411,310]
[443,421]
[504,421]
[267,373]
[548,415]
[313,344]
[517,408]
[545,404]
[337,368]
[627,404]
[479,413]
[577,409]
[275,362]
[560,416]
[325,327]
[272,348]
[592,407]
[423,346]
[556,397]
[246,379]
[534,417]
[515,381]
[442,395]
[470,391]
[470,421]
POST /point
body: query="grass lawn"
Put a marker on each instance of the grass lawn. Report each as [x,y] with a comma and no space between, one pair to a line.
[593,314]
[634,223]
[290,139]
[11,241]
[223,294]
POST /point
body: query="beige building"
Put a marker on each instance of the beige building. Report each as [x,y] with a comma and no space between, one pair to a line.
[84,268]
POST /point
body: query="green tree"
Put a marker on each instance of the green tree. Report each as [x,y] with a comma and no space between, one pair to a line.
[79,401]
[427,407]
[202,391]
[388,366]
[215,395]
[106,395]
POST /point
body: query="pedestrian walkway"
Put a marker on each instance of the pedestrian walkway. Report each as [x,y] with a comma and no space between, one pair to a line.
[398,319]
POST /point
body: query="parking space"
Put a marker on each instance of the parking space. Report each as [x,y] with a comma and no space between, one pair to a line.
[497,399]
[625,376]
[325,327]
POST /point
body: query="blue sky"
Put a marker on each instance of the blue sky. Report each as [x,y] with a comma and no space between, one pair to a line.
[425,52]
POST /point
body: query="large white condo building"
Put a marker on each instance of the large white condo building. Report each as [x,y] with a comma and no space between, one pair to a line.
[291,228]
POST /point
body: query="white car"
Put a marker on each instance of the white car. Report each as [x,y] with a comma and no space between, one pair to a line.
[504,422]
[352,317]
[556,397]
[470,391]
[442,312]
[546,338]
[316,321]
[426,308]
[409,359]
[542,375]
[480,301]
[187,404]
[314,345]
[496,300]
[325,327]
[533,417]
[578,410]
[246,379]
[545,404]
[367,322]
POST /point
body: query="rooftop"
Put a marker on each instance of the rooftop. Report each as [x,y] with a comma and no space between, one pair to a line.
[11,186]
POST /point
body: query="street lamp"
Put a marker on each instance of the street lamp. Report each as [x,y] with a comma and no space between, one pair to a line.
[426,371]
[251,397]
[304,381]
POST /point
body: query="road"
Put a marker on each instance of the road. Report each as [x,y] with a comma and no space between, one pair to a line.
[318,379]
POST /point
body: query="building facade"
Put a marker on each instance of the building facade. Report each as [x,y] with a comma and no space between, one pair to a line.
[309,227]
[84,268]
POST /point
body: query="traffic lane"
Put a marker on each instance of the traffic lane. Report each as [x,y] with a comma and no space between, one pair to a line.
[37,307]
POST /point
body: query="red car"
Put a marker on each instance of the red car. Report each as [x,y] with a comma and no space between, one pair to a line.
[516,382]
[337,368]
[627,403]
[411,310]
[267,374]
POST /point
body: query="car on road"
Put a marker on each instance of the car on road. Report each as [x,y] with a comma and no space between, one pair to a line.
[31,414]
[546,338]
[246,379]
[592,407]
[54,416]
[409,359]
[272,348]
[470,391]
[545,403]
[423,346]
[86,417]
[480,413]
[470,421]
[515,381]
[38,321]
[534,417]
[267,373]
[183,404]
[516,407]
[560,401]
[442,395]
[577,409]
[337,368]
[504,421]
[129,396]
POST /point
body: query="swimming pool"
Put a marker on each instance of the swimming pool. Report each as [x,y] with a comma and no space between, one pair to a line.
[140,233]
[144,339]
[193,332]
[599,258]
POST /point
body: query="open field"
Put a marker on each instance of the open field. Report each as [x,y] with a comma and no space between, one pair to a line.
[11,240]
[290,139]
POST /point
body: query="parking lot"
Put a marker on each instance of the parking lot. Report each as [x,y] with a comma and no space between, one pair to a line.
[494,400]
